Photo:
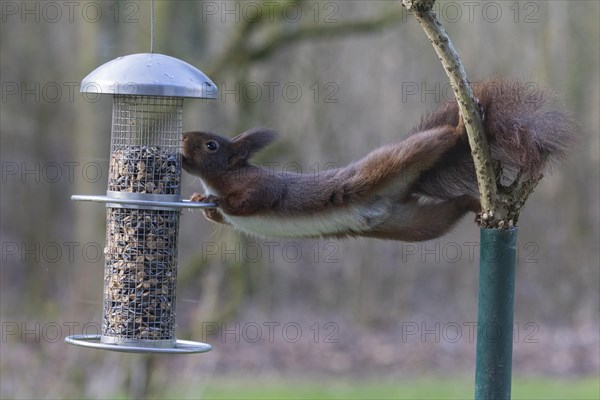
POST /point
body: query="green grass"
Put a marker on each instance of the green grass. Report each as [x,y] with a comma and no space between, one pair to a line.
[432,388]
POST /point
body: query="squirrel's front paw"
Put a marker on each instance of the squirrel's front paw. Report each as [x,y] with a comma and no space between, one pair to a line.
[202,198]
[211,213]
[211,198]
[198,198]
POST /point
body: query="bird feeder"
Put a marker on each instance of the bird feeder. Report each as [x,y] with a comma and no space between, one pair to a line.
[143,200]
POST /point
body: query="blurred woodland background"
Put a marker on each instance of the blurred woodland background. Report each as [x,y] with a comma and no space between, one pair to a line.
[336,79]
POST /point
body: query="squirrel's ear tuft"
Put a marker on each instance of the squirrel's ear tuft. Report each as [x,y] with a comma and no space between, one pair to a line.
[246,144]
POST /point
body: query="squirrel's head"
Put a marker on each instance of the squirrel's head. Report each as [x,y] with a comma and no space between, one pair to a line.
[206,154]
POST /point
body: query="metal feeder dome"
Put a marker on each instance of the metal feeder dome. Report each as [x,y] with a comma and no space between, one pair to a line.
[149,74]
[143,201]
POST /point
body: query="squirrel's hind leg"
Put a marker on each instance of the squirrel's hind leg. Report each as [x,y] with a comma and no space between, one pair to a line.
[417,222]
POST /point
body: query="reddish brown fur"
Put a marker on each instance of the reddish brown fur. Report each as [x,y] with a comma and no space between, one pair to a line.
[434,162]
[525,127]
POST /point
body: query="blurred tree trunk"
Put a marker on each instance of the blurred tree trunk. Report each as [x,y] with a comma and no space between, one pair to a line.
[91,126]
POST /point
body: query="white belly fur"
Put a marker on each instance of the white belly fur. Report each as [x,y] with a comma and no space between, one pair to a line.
[346,220]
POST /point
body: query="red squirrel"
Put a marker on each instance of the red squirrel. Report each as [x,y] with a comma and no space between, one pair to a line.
[412,190]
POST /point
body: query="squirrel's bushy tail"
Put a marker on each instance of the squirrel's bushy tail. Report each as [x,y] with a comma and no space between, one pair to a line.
[526,128]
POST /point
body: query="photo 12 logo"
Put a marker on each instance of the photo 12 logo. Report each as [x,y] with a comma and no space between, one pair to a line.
[47,332]
[454,332]
[50,172]
[449,252]
[66,92]
[452,12]
[53,12]
[273,92]
[270,332]
[271,251]
[318,12]
[52,252]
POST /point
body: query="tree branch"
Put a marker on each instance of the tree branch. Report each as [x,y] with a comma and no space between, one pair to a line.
[325,30]
[491,215]
[240,51]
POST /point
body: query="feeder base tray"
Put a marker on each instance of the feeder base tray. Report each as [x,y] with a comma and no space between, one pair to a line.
[181,346]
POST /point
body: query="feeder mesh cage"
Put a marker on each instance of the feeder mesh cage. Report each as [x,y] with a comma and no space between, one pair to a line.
[145,141]
[141,242]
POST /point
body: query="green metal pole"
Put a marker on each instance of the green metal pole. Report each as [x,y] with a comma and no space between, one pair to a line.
[495,315]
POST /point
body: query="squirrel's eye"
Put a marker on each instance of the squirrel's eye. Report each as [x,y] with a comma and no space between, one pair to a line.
[212,146]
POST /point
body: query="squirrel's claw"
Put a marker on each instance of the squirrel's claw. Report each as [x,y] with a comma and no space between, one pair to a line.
[211,198]
[211,213]
[198,198]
